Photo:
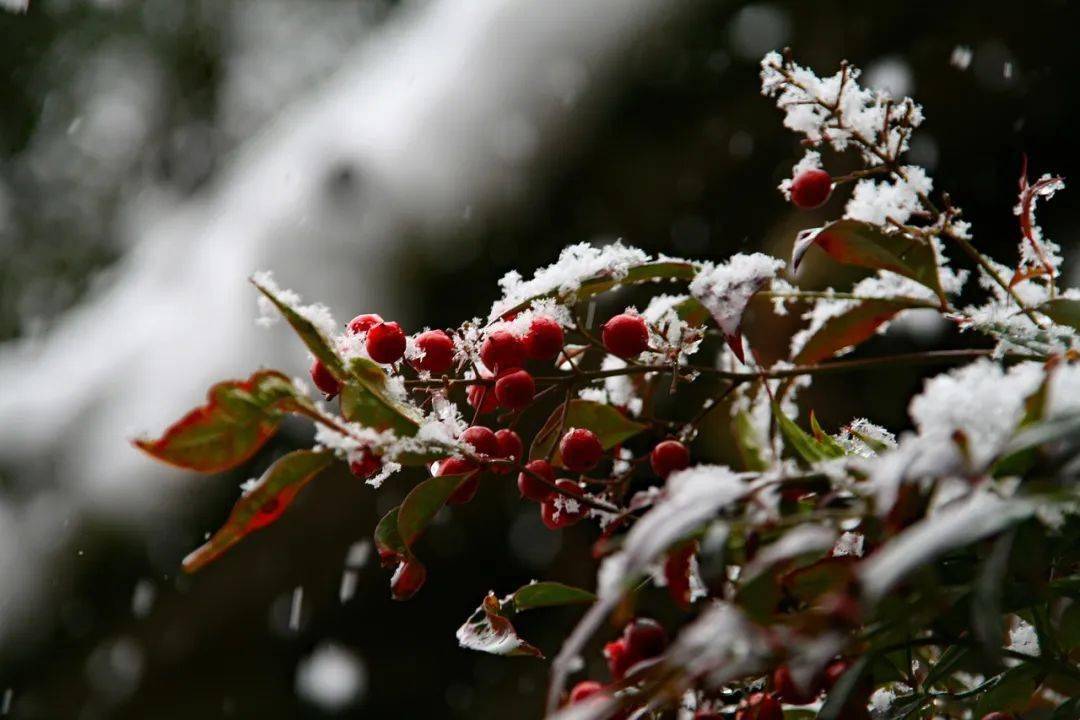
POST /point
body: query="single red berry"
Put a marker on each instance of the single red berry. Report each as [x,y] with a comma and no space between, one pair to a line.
[618,658]
[482,439]
[626,335]
[365,464]
[386,343]
[467,488]
[833,672]
[502,350]
[328,384]
[438,351]
[510,448]
[532,488]
[482,396]
[810,189]
[669,456]
[363,323]
[759,706]
[515,389]
[544,339]
[580,449]
[584,689]
[645,638]
[787,690]
[558,510]
[408,578]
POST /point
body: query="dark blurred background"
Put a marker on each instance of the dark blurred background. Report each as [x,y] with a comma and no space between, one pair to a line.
[108,101]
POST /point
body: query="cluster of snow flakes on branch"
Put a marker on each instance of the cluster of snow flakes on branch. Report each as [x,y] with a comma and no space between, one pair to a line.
[316,313]
[674,338]
[725,289]
[1035,249]
[880,202]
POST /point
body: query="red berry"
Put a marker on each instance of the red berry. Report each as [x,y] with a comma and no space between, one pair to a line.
[626,335]
[386,343]
[482,396]
[515,389]
[532,488]
[618,658]
[787,690]
[669,456]
[645,638]
[759,706]
[438,351]
[482,439]
[583,690]
[510,448]
[365,464]
[544,338]
[502,350]
[363,323]
[810,189]
[554,511]
[408,578]
[833,672]
[580,449]
[467,488]
[328,384]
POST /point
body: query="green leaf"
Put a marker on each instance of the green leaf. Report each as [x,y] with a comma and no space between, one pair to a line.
[237,419]
[262,504]
[852,327]
[1063,311]
[950,659]
[365,399]
[422,504]
[316,342]
[986,601]
[610,425]
[825,438]
[809,449]
[853,242]
[746,442]
[1068,710]
[548,594]
[488,630]
[1070,626]
[387,538]
[1011,692]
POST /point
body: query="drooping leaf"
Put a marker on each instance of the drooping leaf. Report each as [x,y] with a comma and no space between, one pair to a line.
[1063,311]
[365,399]
[388,541]
[809,449]
[853,242]
[610,425]
[488,630]
[549,594]
[263,503]
[316,342]
[237,419]
[851,327]
[747,443]
[422,504]
[1011,692]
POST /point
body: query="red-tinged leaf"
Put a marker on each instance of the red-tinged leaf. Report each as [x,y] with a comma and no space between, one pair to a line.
[316,342]
[388,542]
[488,630]
[238,418]
[549,594]
[422,504]
[734,342]
[852,327]
[825,438]
[609,423]
[262,504]
[365,399]
[677,570]
[1063,311]
[853,242]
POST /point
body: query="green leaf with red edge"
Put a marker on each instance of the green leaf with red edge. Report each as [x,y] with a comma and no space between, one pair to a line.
[1063,311]
[262,504]
[489,630]
[853,242]
[851,327]
[825,438]
[366,399]
[646,272]
[316,342]
[237,419]
[806,446]
[549,594]
[422,504]
[610,424]
[388,540]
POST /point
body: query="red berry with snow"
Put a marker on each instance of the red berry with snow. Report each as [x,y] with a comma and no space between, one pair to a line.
[580,449]
[502,350]
[669,456]
[328,384]
[810,189]
[585,689]
[515,389]
[559,510]
[386,343]
[759,706]
[365,464]
[626,335]
[482,439]
[645,638]
[408,578]
[363,323]
[438,351]
[787,690]
[532,488]
[544,339]
[510,448]
[482,396]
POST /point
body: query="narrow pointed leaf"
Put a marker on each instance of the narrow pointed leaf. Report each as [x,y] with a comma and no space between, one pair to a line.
[825,438]
[262,504]
[366,399]
[549,594]
[802,443]
[316,342]
[852,327]
[610,425]
[422,504]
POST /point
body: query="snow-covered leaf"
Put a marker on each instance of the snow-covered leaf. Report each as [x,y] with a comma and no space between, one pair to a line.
[489,631]
[366,399]
[313,336]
